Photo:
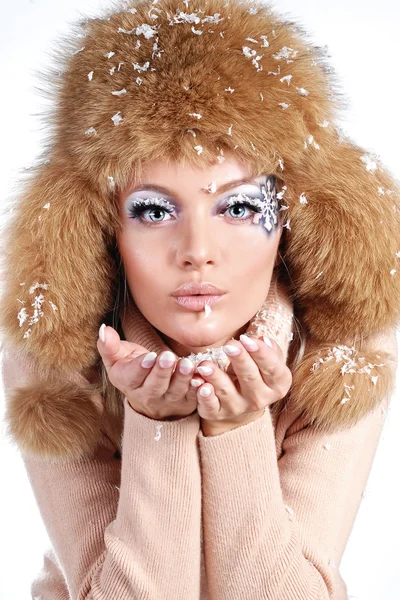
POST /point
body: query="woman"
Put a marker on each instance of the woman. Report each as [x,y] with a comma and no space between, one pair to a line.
[149,487]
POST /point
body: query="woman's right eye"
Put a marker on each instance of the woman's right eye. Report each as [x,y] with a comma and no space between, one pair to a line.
[155,212]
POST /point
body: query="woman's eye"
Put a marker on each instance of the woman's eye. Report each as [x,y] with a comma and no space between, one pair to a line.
[149,213]
[239,210]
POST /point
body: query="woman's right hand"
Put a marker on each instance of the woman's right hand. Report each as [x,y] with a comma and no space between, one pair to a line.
[157,389]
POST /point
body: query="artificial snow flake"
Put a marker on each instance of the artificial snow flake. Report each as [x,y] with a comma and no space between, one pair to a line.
[381,191]
[398,254]
[280,161]
[319,275]
[197,115]
[139,80]
[265,43]
[393,271]
[147,30]
[138,67]
[112,70]
[370,164]
[207,310]
[303,199]
[192,132]
[119,93]
[253,11]
[281,193]
[250,53]
[286,53]
[211,188]
[159,426]
[284,105]
[77,51]
[249,39]
[275,73]
[111,182]
[37,306]
[215,18]
[311,142]
[375,379]
[286,78]
[90,75]
[262,97]
[91,131]
[109,54]
[287,225]
[324,124]
[199,149]
[229,89]
[117,118]
[302,91]
[230,130]
[197,31]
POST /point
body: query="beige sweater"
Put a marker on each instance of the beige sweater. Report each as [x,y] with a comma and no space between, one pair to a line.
[260,512]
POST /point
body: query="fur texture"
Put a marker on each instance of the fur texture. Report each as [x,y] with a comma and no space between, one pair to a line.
[340,247]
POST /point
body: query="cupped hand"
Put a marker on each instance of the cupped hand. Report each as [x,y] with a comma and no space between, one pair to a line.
[259,377]
[154,386]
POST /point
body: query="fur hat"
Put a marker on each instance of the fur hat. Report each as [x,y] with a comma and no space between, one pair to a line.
[195,81]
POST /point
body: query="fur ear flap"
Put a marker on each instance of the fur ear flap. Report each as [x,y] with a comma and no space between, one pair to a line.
[47,416]
[58,274]
[342,252]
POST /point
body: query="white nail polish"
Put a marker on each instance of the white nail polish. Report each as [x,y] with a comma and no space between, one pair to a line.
[185,366]
[248,343]
[196,382]
[205,370]
[231,350]
[149,360]
[102,334]
[205,392]
[167,359]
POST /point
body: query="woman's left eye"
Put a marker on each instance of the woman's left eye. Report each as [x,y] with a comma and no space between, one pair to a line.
[238,210]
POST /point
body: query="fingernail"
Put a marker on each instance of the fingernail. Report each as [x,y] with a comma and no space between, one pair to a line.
[205,392]
[149,360]
[205,370]
[185,366]
[268,341]
[248,343]
[196,382]
[102,333]
[167,359]
[231,350]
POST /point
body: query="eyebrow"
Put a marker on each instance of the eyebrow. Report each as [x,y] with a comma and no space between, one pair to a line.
[223,188]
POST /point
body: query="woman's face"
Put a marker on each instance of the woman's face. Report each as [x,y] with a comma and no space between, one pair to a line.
[198,233]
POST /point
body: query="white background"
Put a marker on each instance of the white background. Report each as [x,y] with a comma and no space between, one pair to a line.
[363,40]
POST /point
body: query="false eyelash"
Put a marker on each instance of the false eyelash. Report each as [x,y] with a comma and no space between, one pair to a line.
[255,204]
[140,205]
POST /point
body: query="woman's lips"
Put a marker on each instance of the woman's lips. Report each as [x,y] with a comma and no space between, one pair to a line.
[197,303]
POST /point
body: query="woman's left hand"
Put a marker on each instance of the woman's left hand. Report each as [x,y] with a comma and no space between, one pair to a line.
[258,377]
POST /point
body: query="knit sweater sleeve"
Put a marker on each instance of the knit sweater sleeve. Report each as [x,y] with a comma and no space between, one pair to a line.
[277,529]
[129,530]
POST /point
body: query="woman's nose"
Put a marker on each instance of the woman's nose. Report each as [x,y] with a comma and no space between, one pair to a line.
[197,245]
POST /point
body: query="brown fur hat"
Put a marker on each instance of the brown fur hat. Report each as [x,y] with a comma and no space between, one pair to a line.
[195,82]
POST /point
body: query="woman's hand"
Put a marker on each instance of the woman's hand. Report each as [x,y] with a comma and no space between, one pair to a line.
[151,384]
[259,378]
